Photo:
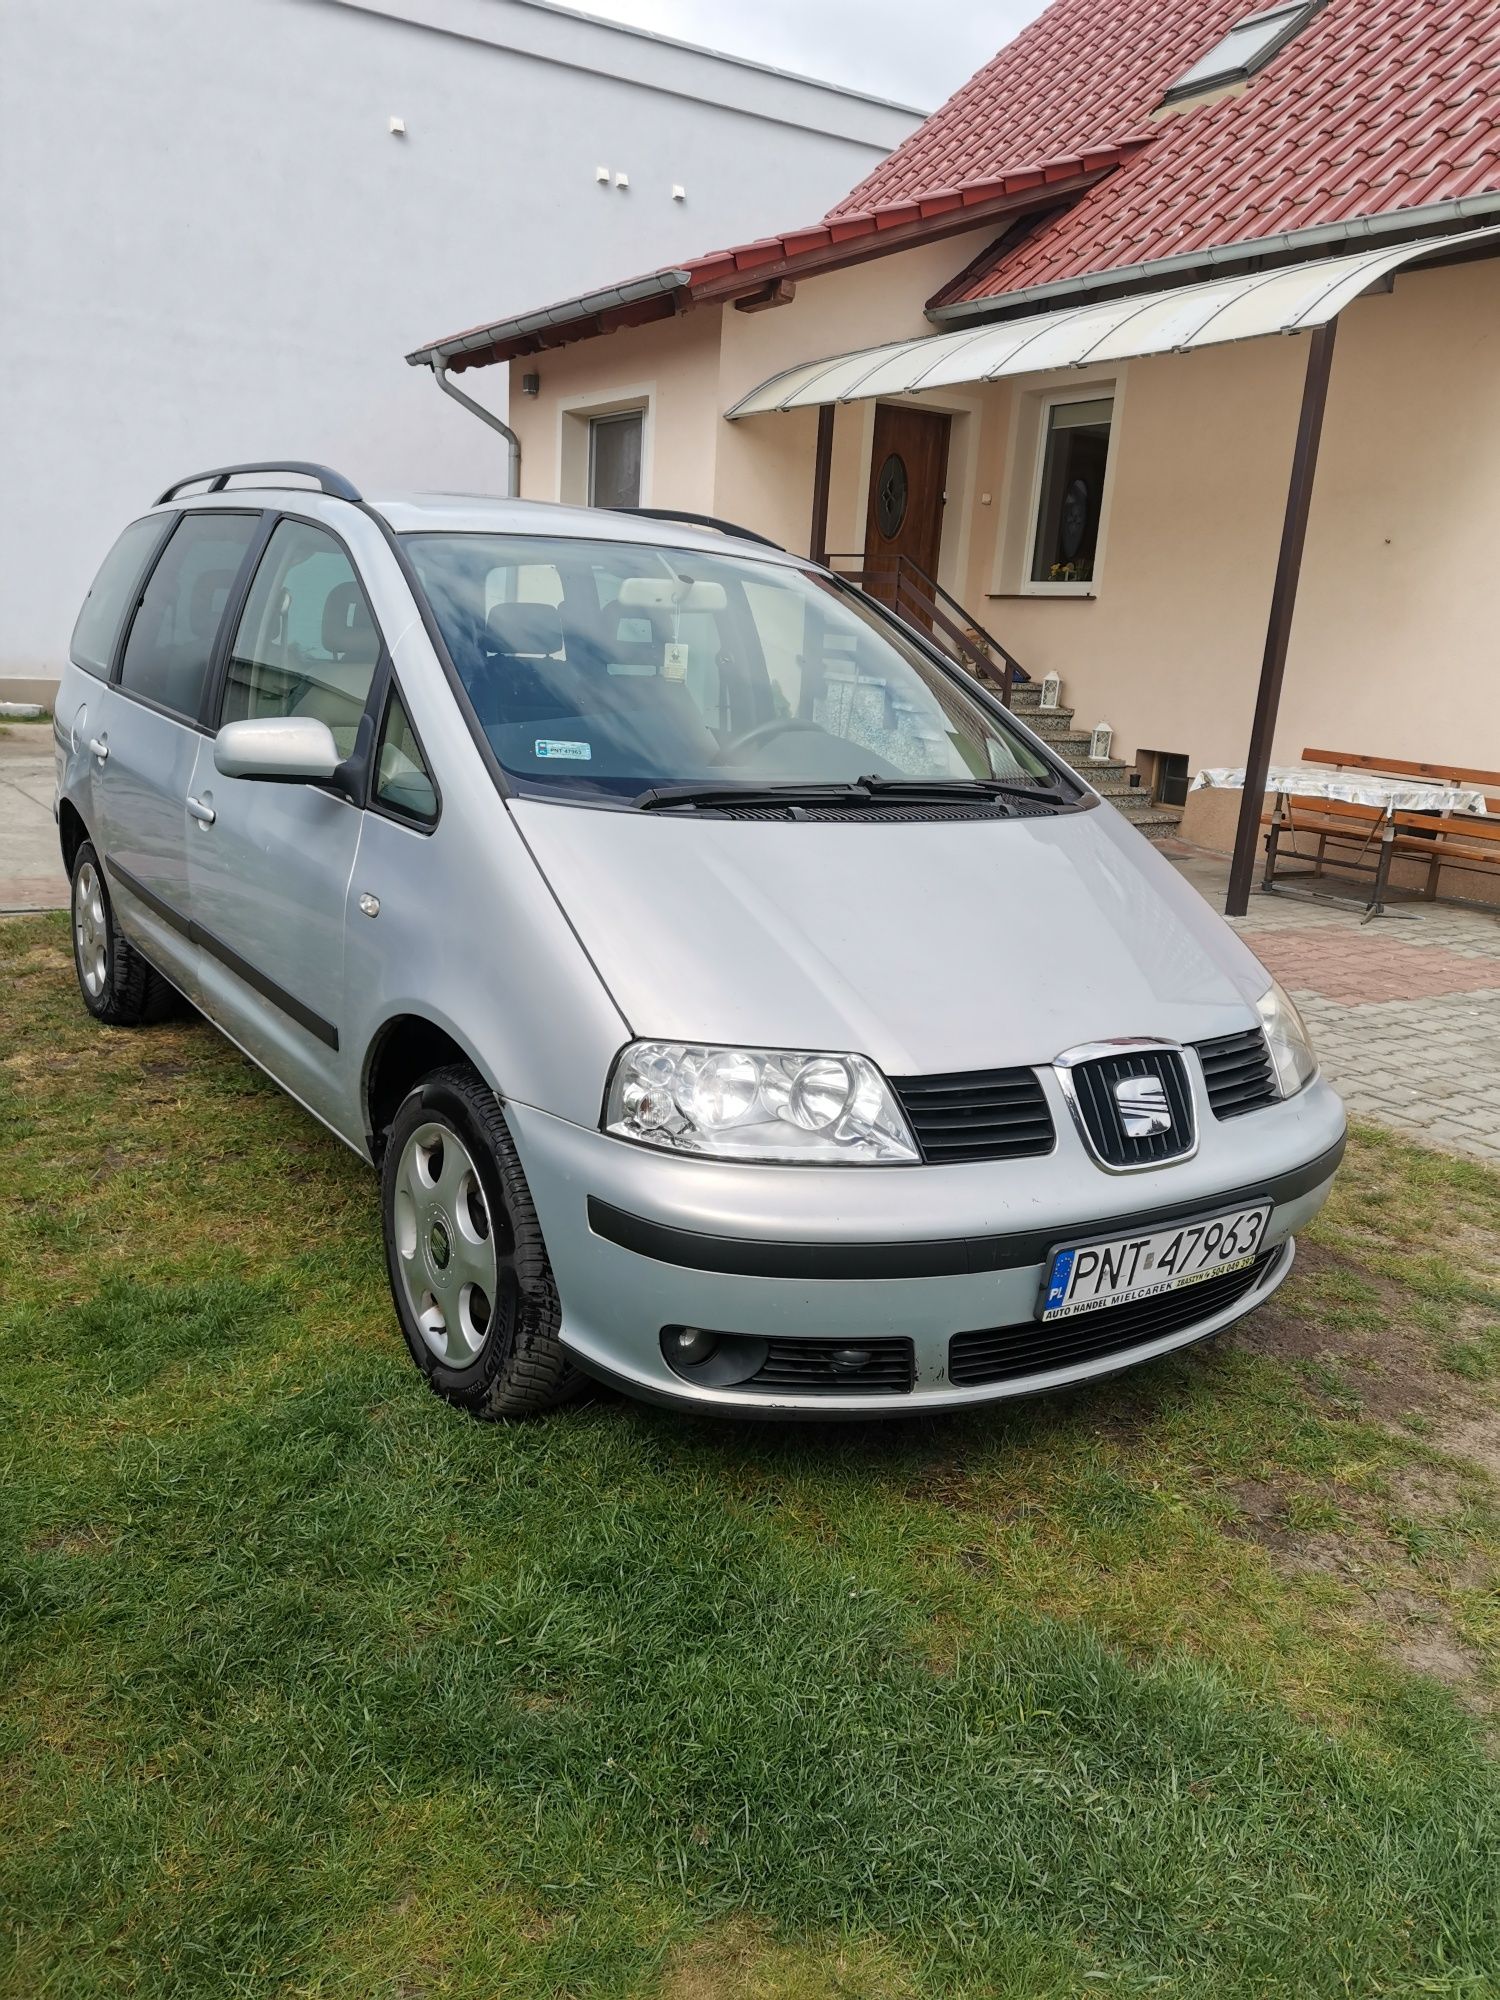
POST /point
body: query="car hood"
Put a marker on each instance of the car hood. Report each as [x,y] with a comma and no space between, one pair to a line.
[926,946]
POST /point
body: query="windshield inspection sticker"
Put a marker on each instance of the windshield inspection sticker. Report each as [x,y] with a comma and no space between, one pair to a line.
[674,662]
[546,746]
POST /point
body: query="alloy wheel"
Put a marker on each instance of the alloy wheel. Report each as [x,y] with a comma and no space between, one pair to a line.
[455,1255]
[91,931]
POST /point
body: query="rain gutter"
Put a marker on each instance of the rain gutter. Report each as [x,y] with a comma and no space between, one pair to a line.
[513,443]
[567,313]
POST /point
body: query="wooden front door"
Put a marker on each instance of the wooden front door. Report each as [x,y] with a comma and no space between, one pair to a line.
[908,466]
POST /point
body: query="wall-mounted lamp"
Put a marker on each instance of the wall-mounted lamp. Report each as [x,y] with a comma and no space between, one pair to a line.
[531,385]
[397,128]
[622,180]
[679,193]
[601,174]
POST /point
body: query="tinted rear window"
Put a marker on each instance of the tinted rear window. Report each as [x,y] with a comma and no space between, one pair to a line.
[167,653]
[109,599]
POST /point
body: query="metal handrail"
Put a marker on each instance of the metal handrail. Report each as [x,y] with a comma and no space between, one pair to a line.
[912,589]
[945,596]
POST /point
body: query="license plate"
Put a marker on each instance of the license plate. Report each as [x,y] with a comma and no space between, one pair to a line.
[1087,1277]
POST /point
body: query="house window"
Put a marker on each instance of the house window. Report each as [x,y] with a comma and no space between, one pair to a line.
[615,460]
[1070,492]
[1249,46]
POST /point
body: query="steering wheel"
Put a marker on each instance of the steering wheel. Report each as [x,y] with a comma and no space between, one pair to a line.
[767,732]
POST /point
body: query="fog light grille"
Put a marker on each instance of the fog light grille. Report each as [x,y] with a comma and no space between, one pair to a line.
[837,1368]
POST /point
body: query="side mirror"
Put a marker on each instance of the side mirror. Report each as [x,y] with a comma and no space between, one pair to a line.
[289,749]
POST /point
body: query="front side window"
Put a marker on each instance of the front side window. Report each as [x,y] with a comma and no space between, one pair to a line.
[172,638]
[108,602]
[615,460]
[402,780]
[604,670]
[1070,497]
[307,643]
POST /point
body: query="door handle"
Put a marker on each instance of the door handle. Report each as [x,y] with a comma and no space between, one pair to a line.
[98,748]
[205,815]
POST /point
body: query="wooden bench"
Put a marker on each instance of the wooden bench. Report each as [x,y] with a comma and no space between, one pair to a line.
[1366,840]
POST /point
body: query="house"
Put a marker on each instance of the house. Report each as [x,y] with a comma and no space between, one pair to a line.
[225,225]
[1053,355]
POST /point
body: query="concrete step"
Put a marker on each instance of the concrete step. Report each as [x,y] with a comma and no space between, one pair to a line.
[1051,723]
[1158,825]
[1102,773]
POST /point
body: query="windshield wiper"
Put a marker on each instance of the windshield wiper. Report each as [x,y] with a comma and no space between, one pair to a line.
[857,792]
[958,788]
[662,796]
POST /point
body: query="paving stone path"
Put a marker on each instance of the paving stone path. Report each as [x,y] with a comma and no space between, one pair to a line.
[1404,1010]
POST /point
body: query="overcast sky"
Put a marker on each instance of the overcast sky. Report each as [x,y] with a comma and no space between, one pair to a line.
[916,54]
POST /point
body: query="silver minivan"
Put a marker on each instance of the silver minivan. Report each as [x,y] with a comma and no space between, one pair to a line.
[740,1005]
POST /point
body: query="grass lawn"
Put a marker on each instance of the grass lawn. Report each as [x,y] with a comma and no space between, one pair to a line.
[309,1686]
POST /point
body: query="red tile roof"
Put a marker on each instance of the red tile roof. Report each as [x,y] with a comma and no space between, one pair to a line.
[1021,189]
[1376,105]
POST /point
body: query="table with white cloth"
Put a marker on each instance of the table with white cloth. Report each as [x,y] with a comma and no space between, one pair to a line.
[1384,797]
[1357,788]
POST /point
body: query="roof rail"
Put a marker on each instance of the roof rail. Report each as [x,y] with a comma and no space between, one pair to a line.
[219,476]
[700,521]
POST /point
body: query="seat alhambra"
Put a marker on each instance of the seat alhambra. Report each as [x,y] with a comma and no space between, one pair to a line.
[740,1005]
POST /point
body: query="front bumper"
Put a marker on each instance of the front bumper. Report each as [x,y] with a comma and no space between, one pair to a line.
[641,1239]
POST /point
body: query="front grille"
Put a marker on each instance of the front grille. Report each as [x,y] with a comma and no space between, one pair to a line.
[1094,1085]
[1237,1070]
[1006,1353]
[832,1368]
[984,1114]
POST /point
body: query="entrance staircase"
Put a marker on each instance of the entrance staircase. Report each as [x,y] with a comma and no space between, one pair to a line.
[1109,777]
[917,599]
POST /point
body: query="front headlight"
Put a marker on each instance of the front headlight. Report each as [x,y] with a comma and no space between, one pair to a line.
[757,1104]
[1290,1044]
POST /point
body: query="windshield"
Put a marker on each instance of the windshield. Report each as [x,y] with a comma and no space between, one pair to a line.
[607,671]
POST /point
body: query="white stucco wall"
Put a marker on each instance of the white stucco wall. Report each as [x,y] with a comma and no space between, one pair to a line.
[211,247]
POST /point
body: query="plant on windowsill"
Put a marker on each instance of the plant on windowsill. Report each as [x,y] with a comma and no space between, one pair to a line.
[1071,572]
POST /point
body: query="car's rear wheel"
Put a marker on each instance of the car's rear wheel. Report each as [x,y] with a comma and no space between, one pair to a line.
[469,1273]
[118,986]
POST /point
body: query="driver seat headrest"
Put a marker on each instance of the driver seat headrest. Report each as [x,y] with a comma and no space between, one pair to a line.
[348,628]
[526,631]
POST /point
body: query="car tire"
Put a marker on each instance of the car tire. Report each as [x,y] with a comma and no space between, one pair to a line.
[469,1273]
[118,987]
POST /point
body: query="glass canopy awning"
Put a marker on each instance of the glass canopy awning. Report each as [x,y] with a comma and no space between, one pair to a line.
[1294,299]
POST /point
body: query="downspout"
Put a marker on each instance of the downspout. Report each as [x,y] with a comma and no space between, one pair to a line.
[513,464]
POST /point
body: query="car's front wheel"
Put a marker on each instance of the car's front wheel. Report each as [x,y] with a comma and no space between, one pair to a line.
[118,986]
[469,1273]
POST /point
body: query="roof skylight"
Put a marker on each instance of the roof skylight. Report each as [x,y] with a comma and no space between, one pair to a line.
[1249,46]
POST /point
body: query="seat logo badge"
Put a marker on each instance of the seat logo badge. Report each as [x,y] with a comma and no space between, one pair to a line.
[1143,1107]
